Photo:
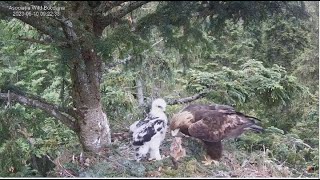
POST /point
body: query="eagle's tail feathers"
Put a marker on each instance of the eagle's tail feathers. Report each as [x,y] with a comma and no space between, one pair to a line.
[256,119]
[250,117]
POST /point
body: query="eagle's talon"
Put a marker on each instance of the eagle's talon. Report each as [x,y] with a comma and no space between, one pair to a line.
[208,161]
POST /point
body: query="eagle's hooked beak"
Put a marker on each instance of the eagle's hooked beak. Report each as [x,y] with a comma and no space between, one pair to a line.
[175,132]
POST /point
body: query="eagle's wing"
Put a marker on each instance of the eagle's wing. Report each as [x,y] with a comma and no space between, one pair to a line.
[215,126]
[202,131]
[139,123]
[145,132]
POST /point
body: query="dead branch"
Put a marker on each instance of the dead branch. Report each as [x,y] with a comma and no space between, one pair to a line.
[33,40]
[187,99]
[51,109]
[127,59]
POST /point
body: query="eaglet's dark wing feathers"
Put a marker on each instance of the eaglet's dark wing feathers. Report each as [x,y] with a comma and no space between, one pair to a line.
[146,129]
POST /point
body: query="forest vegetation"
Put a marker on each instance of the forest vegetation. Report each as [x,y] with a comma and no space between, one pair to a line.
[73,79]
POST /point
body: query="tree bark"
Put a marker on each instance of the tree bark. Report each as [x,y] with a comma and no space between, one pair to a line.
[94,126]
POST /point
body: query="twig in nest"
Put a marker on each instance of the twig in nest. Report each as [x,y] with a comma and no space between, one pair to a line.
[65,170]
[174,162]
[9,101]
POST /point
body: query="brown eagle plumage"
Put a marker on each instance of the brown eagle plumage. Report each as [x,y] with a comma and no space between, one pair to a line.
[211,124]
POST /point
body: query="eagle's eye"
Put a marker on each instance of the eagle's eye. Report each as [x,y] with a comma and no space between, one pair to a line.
[159,107]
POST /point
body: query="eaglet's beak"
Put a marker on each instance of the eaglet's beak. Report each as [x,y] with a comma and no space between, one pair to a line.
[175,132]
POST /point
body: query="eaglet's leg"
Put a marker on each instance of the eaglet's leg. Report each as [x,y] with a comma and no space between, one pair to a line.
[155,148]
[140,152]
[155,152]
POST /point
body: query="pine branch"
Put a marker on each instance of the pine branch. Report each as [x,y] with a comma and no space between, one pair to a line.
[44,42]
[68,28]
[39,23]
[34,40]
[188,99]
[51,109]
[125,60]
[119,62]
[119,13]
[107,5]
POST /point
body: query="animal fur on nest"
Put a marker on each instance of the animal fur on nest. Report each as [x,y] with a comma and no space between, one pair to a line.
[176,151]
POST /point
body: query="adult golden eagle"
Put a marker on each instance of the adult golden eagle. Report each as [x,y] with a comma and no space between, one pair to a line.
[211,124]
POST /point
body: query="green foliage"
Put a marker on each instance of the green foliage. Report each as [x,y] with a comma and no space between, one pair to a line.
[307,66]
[119,43]
[13,153]
[307,126]
[282,41]
[261,57]
[33,69]
[285,148]
[27,133]
[253,81]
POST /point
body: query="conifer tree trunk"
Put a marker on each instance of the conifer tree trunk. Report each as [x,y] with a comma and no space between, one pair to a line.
[94,132]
